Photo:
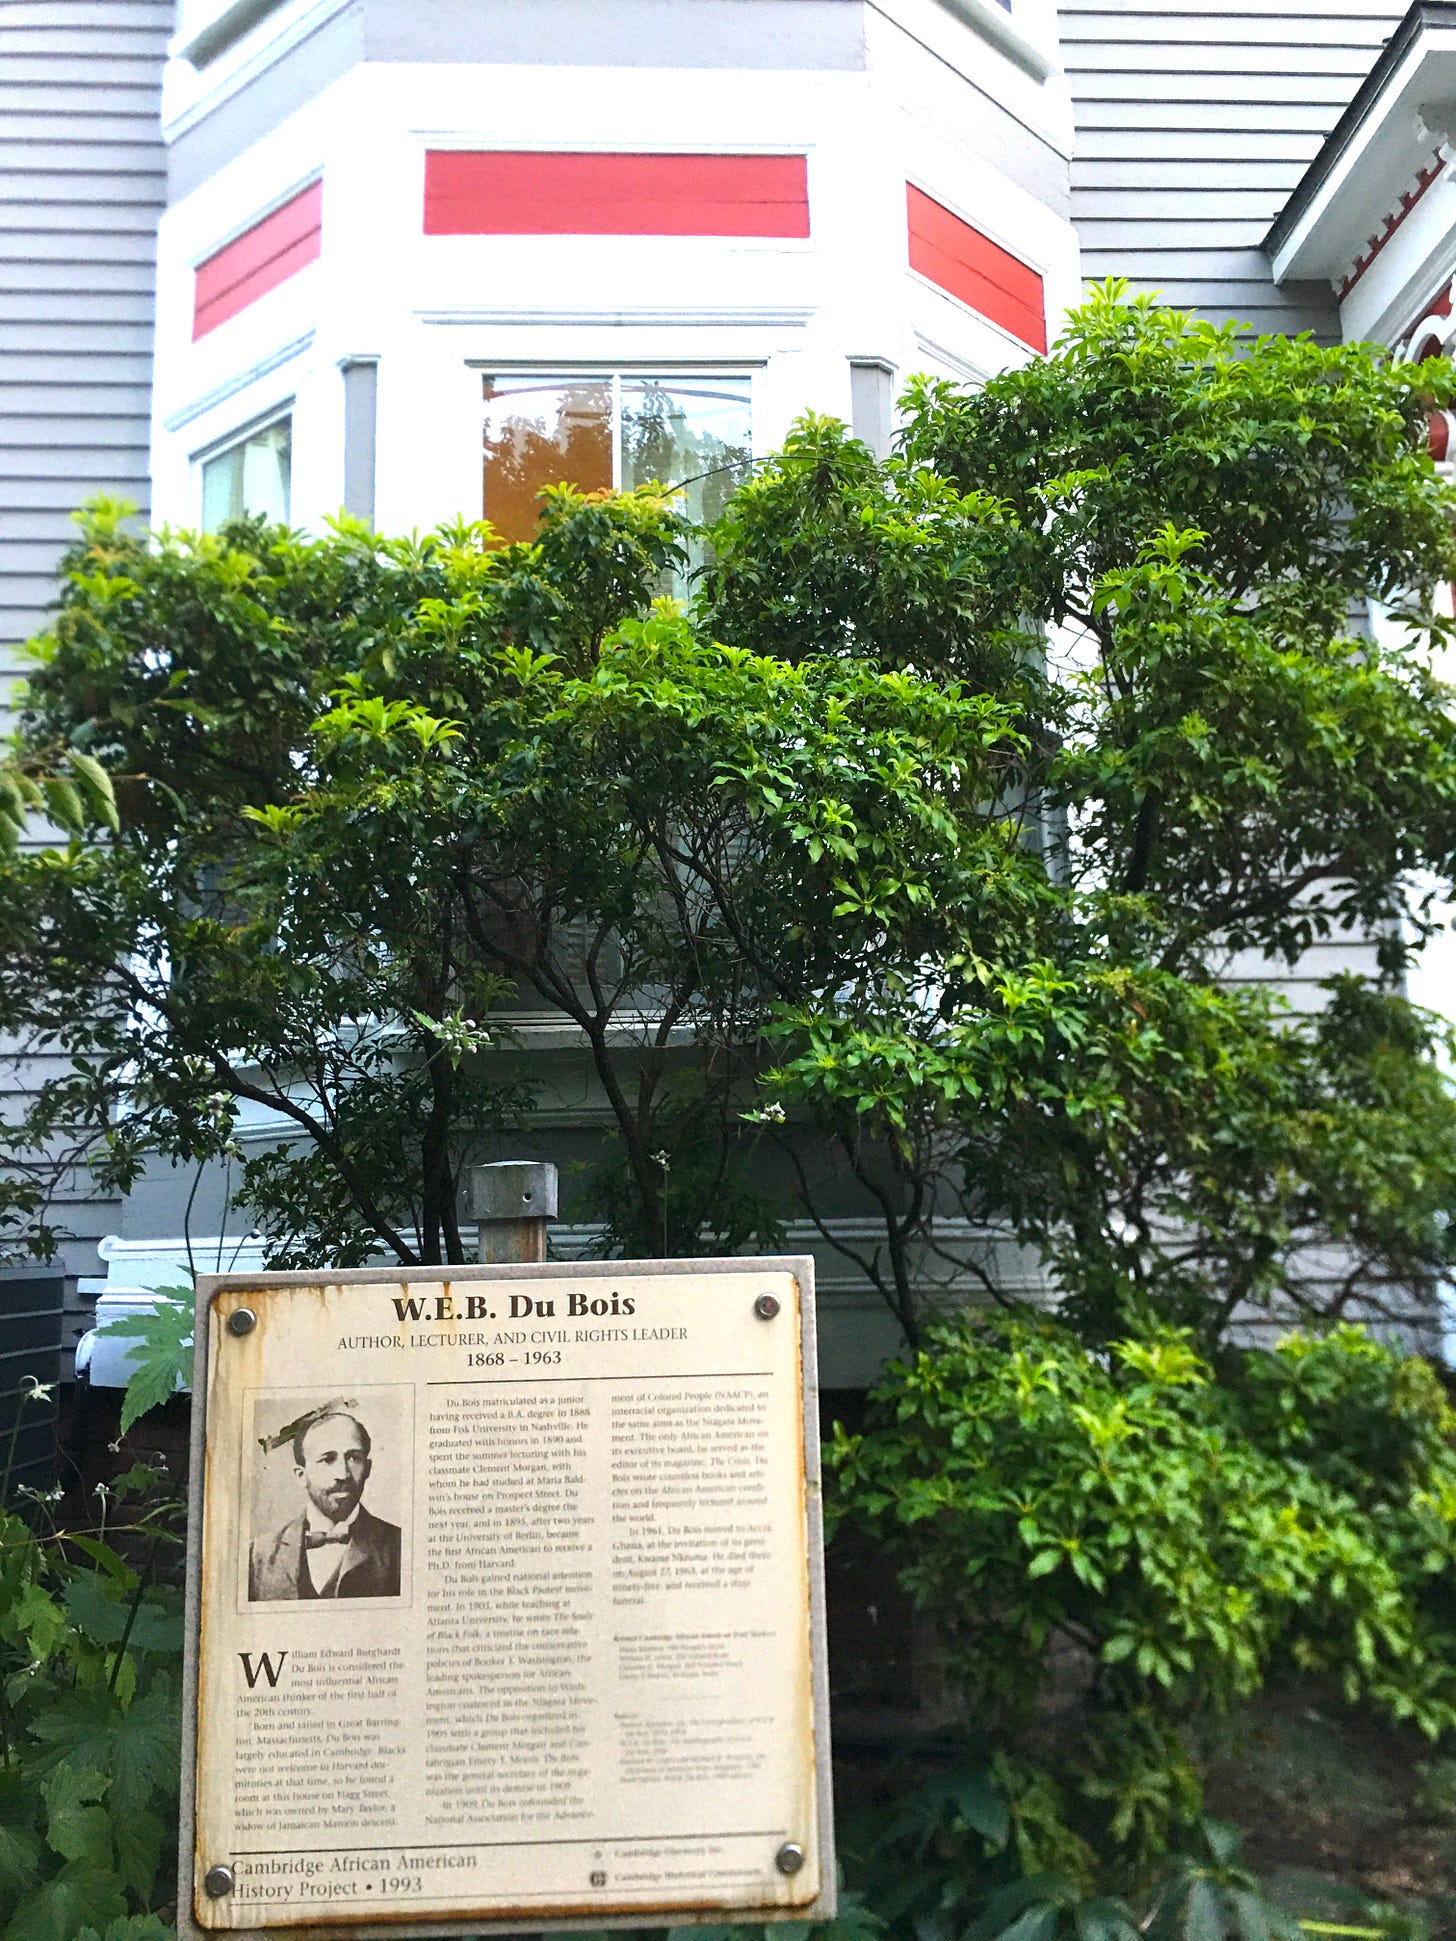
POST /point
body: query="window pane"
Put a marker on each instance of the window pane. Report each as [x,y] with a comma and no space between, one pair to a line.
[253,477]
[693,432]
[543,431]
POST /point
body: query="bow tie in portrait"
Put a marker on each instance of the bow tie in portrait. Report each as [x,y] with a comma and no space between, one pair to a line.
[315,1539]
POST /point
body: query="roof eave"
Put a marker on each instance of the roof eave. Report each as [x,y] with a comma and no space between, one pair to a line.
[1426,23]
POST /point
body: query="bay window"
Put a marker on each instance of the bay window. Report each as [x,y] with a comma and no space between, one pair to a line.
[611,430]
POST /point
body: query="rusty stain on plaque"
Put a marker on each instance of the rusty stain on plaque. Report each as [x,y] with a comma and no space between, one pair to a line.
[534,1631]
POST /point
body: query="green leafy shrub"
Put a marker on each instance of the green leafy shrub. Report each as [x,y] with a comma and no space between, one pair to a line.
[1123,1527]
[90,1647]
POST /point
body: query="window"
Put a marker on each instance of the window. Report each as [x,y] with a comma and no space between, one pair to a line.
[612,431]
[251,477]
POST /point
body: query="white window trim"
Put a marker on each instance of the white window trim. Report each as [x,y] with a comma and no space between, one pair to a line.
[615,370]
[281,413]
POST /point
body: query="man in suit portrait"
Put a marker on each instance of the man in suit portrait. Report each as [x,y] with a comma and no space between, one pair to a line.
[334,1547]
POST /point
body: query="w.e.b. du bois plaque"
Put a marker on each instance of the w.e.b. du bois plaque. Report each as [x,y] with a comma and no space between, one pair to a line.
[507,1604]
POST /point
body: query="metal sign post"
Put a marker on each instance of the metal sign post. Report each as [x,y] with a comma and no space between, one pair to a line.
[511,1202]
[505,1599]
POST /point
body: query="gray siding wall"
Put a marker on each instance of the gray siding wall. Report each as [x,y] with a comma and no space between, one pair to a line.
[82,179]
[1195,120]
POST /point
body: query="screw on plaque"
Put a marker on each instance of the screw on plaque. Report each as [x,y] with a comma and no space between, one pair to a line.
[218,1881]
[242,1320]
[766,1306]
[789,1858]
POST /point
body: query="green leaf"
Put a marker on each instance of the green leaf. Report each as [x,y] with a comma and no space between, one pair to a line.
[77,1827]
[96,784]
[102,1554]
[35,1617]
[102,1617]
[1105,1920]
[63,804]
[20,1851]
[982,1805]
[141,1838]
[137,1748]
[1205,1912]
[162,1362]
[79,1897]
[1036,1924]
[1223,1840]
[132,1927]
[1034,1895]
[1254,1918]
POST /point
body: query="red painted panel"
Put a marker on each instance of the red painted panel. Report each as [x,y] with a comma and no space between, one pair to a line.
[969,266]
[258,260]
[510,193]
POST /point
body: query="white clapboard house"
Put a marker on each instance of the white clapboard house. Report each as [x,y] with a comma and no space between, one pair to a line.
[292,255]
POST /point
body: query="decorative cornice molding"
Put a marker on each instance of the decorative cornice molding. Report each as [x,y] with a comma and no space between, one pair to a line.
[774,317]
[1426,179]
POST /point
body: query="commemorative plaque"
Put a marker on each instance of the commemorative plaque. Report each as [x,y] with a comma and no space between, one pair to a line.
[505,1601]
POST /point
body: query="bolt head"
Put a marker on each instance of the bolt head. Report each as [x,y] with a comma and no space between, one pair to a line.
[242,1320]
[789,1858]
[218,1881]
[766,1306]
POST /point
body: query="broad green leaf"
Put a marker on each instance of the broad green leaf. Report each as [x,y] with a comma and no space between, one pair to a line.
[162,1361]
[1205,1912]
[1255,1919]
[102,1616]
[141,1838]
[35,1618]
[77,1827]
[78,1897]
[132,1927]
[138,1749]
[982,1805]
[20,1851]
[1223,1840]
[1036,1924]
[1105,1920]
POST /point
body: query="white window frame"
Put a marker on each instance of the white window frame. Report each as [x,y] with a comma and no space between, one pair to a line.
[566,370]
[282,413]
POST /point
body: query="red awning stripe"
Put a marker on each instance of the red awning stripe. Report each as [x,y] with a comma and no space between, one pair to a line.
[510,193]
[258,260]
[970,267]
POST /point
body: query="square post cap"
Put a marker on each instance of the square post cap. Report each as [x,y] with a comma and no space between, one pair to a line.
[512,1189]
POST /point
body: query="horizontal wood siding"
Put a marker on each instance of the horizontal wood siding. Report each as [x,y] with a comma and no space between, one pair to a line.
[509,193]
[1194,123]
[81,186]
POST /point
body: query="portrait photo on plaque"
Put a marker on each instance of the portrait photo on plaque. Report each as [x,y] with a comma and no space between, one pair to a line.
[327,1486]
